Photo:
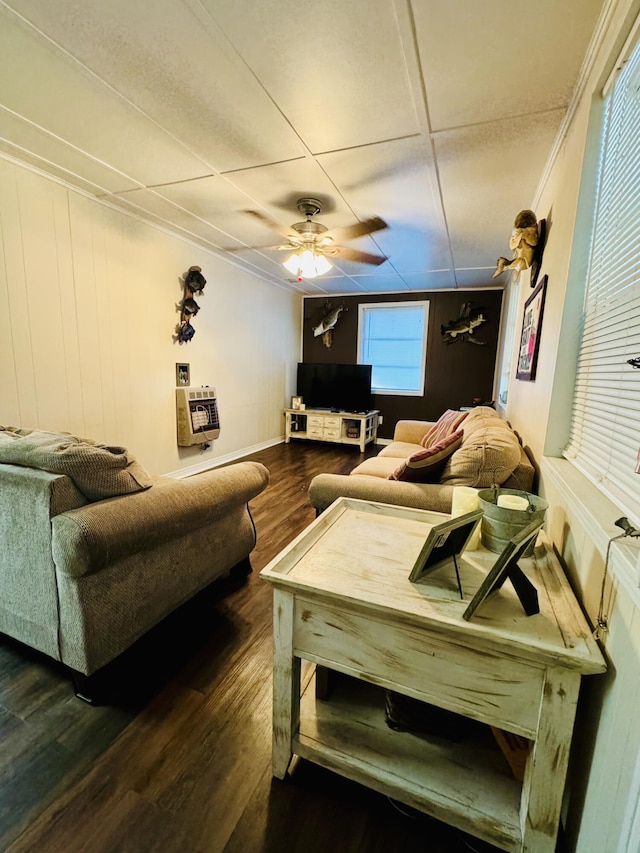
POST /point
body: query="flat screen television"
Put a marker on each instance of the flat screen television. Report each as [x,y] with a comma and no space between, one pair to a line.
[340,387]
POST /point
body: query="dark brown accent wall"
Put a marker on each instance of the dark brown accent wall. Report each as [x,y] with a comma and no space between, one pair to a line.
[455,373]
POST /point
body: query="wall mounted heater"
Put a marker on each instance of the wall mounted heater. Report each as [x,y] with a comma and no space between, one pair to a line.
[197,415]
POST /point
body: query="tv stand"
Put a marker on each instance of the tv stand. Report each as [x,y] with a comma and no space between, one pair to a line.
[357,428]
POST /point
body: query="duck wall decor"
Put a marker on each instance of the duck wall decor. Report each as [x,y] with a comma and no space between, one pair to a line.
[193,284]
[526,243]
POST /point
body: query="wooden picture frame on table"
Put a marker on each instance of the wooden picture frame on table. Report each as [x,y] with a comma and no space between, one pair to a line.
[444,544]
[530,336]
[296,402]
[506,566]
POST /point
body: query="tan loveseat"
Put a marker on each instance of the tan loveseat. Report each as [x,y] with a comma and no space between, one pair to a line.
[489,454]
[82,575]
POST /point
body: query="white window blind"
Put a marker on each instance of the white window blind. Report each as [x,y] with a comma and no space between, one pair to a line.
[392,337]
[605,430]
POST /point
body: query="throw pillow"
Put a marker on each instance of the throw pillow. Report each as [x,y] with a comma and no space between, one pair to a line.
[97,470]
[425,466]
[446,425]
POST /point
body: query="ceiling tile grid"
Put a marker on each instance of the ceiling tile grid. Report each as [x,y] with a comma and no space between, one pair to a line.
[213,118]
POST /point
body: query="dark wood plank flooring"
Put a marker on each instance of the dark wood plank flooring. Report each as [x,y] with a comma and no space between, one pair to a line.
[178,758]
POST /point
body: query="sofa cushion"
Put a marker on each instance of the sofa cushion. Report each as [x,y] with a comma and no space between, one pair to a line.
[98,470]
[446,425]
[477,419]
[426,466]
[376,466]
[400,449]
[489,453]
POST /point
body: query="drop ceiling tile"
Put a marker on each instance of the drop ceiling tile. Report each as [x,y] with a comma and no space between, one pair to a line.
[480,278]
[210,197]
[386,283]
[399,179]
[144,210]
[366,174]
[46,87]
[277,187]
[145,204]
[51,154]
[434,280]
[529,62]
[221,204]
[337,63]
[333,285]
[490,172]
[150,202]
[176,65]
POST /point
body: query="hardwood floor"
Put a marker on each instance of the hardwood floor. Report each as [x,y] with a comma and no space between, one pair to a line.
[179,758]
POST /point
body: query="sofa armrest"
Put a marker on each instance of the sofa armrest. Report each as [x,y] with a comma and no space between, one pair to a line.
[87,539]
[326,488]
[411,431]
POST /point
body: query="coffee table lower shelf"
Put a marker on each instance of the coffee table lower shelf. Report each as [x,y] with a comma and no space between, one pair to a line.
[467,784]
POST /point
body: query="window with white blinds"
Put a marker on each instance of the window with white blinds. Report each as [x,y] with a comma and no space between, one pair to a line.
[605,430]
[392,337]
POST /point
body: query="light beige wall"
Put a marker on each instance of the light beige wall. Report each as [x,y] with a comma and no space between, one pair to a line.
[88,301]
[604,779]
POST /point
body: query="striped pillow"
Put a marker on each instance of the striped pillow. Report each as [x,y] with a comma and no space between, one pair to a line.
[447,424]
[426,466]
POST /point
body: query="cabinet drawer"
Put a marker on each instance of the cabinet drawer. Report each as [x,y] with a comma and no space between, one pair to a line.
[315,421]
[332,434]
[331,422]
[422,664]
[315,432]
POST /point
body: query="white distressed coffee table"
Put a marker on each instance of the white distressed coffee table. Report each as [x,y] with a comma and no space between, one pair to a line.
[342,599]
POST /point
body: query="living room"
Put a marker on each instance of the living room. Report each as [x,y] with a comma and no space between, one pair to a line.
[89,295]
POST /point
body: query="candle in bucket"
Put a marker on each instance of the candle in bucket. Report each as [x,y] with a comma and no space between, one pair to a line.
[513,502]
[465,499]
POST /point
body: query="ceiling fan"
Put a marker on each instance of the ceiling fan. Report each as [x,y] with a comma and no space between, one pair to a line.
[311,243]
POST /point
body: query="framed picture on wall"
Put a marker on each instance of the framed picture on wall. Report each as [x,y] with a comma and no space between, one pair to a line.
[182,375]
[530,337]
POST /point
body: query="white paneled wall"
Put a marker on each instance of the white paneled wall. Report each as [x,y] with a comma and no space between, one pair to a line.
[88,300]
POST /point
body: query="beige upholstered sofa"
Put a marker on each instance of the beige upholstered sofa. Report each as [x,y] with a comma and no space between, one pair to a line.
[489,453]
[83,575]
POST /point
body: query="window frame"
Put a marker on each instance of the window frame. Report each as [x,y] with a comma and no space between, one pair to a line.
[363,308]
[602,293]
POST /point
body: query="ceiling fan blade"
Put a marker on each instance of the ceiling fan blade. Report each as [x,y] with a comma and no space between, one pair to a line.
[348,254]
[358,229]
[269,222]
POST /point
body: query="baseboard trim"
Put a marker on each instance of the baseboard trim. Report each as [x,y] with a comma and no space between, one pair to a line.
[208,464]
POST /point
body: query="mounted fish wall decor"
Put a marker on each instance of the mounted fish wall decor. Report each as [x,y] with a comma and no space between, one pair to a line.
[193,284]
[463,329]
[328,322]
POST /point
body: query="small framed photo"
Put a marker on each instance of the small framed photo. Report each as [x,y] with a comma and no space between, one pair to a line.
[530,338]
[445,543]
[296,402]
[182,375]
[506,566]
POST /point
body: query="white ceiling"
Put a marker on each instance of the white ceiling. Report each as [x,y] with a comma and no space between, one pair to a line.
[436,116]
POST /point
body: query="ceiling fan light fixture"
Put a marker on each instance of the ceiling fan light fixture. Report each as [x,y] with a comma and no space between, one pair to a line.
[306,264]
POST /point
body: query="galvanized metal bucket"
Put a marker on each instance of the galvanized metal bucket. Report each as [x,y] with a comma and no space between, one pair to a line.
[500,524]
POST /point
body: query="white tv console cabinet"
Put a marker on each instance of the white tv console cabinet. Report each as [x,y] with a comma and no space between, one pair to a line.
[324,425]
